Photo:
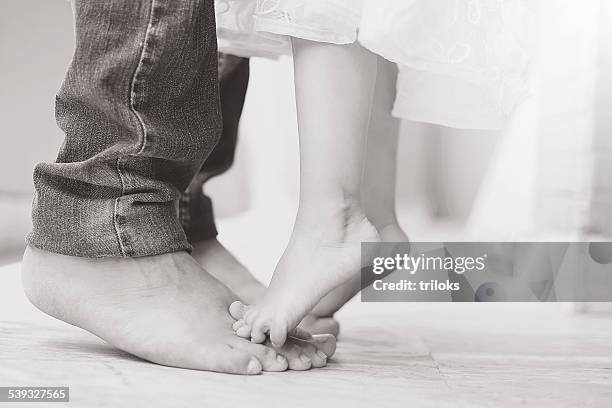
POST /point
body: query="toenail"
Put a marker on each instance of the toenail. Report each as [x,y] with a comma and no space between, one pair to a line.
[305,358]
[253,367]
[322,354]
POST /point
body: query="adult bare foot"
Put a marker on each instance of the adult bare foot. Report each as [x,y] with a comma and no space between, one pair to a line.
[304,354]
[165,309]
[223,265]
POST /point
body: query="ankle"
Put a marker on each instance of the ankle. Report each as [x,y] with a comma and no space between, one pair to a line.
[389,229]
[380,223]
[213,256]
[222,264]
[382,215]
[330,210]
[207,246]
[335,222]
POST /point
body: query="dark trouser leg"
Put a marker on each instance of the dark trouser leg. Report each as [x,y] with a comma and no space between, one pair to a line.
[196,211]
[139,107]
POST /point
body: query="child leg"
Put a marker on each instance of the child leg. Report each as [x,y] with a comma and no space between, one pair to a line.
[378,187]
[378,184]
[334,92]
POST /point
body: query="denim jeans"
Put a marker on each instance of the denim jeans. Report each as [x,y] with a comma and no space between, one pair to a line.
[195,208]
[140,111]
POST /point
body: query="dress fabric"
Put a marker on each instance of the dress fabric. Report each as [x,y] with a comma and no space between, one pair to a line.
[463,63]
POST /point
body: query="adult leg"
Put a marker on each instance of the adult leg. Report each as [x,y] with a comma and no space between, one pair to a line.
[139,107]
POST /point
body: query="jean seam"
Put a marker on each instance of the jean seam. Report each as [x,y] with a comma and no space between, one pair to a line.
[138,70]
[185,209]
[116,210]
[143,129]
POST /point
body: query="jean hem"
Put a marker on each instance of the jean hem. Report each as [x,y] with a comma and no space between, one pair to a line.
[72,226]
[45,246]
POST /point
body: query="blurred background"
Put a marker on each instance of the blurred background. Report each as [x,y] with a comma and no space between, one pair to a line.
[546,176]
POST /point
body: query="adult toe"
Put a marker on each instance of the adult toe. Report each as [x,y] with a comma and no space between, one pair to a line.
[267,356]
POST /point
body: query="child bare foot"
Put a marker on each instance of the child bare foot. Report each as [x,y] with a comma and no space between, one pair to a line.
[333,301]
[224,266]
[165,309]
[320,257]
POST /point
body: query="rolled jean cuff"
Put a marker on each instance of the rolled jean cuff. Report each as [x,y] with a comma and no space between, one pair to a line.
[99,228]
[196,214]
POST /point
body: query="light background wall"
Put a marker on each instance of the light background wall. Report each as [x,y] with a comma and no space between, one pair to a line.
[545,173]
[36,40]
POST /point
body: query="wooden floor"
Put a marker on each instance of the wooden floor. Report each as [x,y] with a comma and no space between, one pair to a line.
[389,355]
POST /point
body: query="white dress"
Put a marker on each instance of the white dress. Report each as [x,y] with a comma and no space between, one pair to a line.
[463,63]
